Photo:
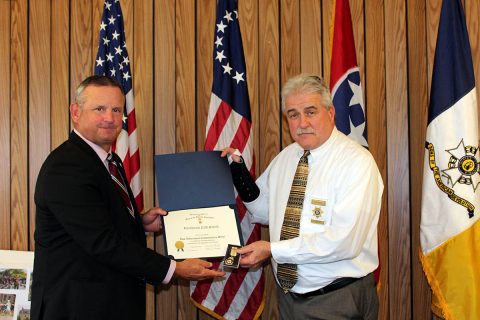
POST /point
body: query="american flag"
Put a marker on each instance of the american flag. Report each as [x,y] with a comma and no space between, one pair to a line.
[241,294]
[345,84]
[112,60]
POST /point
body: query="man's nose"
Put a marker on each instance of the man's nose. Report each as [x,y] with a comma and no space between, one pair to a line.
[108,116]
[304,121]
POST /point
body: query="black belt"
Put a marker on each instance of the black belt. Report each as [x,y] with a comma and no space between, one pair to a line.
[335,285]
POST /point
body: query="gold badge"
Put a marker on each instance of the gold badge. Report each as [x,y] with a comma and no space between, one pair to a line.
[318,211]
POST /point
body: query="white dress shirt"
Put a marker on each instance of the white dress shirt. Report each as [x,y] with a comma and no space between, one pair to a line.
[344,184]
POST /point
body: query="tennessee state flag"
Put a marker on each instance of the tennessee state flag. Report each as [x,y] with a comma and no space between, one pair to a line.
[449,229]
[345,84]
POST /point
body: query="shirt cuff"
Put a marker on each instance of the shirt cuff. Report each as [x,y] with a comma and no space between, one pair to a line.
[281,252]
[171,270]
[237,153]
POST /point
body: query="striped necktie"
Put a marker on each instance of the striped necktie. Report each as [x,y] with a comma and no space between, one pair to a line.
[287,273]
[113,166]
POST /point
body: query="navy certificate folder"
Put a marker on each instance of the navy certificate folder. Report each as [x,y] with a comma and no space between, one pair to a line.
[192,180]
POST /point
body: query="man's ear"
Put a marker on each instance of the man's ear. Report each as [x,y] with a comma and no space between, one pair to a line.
[74,111]
[331,112]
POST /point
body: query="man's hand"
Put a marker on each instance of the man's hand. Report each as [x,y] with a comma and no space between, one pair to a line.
[151,219]
[233,153]
[254,254]
[196,269]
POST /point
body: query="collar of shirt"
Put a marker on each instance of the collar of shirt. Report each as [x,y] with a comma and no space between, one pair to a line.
[102,154]
[319,151]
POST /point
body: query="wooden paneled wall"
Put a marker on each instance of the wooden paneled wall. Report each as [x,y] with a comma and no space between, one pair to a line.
[48,46]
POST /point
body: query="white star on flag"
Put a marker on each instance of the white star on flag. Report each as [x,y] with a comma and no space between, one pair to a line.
[238,77]
[356,133]
[115,35]
[228,16]
[218,42]
[227,68]
[357,97]
[100,61]
[221,27]
[220,56]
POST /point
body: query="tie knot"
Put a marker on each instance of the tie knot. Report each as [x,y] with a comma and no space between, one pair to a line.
[112,158]
[306,153]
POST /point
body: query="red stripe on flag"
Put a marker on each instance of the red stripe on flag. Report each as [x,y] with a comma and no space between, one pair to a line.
[139,201]
[131,122]
[134,163]
[234,283]
[343,43]
[217,125]
[242,210]
[126,166]
[241,136]
[203,287]
[254,300]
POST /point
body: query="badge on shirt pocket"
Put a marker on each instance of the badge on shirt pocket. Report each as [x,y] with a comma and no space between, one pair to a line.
[318,211]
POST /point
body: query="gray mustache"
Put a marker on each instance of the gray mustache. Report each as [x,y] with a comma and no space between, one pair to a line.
[301,131]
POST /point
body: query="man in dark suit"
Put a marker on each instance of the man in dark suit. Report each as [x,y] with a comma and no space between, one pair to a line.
[91,259]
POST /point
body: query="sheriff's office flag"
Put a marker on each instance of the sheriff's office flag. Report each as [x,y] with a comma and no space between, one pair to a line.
[240,295]
[449,230]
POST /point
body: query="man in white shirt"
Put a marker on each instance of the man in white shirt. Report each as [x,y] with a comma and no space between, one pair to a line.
[335,250]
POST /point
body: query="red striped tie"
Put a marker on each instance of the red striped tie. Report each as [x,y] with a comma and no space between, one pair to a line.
[113,165]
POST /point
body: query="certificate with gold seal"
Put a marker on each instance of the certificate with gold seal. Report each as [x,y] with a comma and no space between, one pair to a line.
[196,189]
[200,233]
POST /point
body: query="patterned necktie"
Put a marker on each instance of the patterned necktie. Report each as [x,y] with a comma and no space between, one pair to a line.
[113,165]
[287,273]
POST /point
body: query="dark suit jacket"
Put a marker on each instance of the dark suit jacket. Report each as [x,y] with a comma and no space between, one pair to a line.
[91,260]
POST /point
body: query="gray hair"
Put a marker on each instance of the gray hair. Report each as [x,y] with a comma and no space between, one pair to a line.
[96,81]
[307,83]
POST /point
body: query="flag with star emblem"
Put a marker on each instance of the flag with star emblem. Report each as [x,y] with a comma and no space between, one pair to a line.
[112,60]
[449,228]
[240,294]
[345,84]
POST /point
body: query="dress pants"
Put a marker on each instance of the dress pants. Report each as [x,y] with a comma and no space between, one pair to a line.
[358,300]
